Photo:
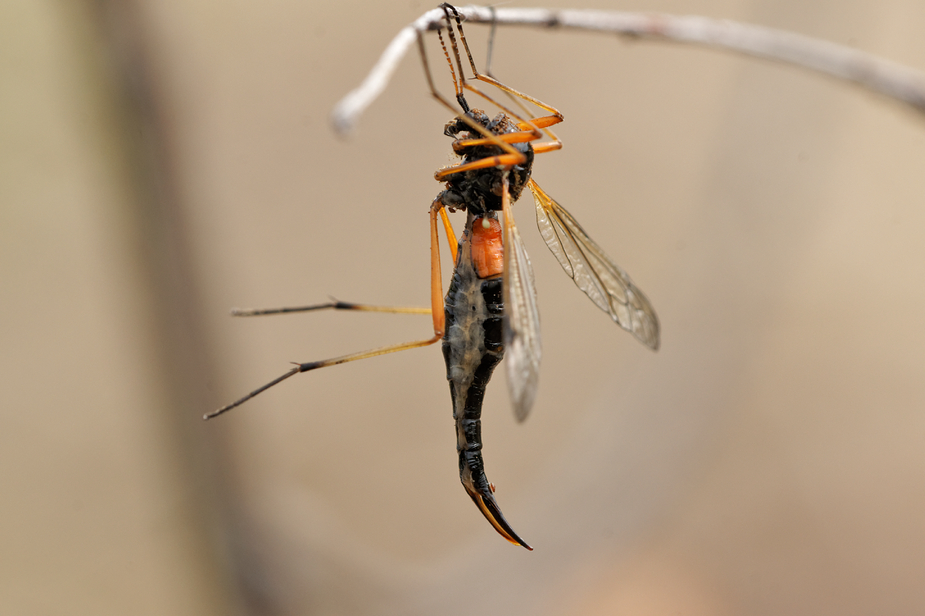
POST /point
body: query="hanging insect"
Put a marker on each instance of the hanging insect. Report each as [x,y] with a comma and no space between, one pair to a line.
[490,310]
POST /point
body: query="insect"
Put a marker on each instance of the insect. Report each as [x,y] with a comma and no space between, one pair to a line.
[490,311]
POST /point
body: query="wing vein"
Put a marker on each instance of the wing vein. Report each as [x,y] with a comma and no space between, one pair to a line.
[602,280]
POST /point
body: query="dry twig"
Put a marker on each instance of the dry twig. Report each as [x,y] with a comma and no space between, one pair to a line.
[877,74]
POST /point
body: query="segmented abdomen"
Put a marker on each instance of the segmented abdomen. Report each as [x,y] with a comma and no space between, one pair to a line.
[472,347]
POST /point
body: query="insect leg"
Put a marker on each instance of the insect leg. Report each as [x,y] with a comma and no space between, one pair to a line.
[526,123]
[334,304]
[475,126]
[436,310]
[542,148]
[450,235]
[503,160]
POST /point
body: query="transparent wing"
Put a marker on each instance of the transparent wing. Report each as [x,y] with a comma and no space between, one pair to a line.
[601,279]
[522,348]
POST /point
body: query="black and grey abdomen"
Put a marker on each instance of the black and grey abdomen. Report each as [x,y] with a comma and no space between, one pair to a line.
[472,347]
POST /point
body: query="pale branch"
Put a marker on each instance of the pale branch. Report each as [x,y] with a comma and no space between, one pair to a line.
[867,70]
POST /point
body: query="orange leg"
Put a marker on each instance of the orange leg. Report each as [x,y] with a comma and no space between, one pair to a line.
[552,146]
[554,117]
[525,122]
[436,310]
[475,126]
[492,161]
[518,137]
[541,122]
[450,235]
[529,128]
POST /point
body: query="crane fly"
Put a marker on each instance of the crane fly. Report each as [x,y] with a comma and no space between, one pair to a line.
[490,311]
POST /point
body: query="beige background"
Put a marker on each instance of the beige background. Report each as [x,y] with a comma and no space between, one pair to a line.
[165,161]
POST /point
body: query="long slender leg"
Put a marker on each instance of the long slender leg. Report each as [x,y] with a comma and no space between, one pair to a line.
[500,160]
[475,126]
[482,163]
[450,235]
[475,71]
[527,123]
[439,322]
[530,127]
[521,136]
[332,305]
[526,132]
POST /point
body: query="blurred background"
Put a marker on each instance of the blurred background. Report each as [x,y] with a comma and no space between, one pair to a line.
[165,161]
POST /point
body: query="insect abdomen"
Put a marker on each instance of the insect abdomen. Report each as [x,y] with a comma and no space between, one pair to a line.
[472,347]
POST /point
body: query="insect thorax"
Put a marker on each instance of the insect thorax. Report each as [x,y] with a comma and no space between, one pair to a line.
[479,190]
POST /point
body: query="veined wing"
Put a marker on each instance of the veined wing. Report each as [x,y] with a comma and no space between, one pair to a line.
[601,279]
[522,348]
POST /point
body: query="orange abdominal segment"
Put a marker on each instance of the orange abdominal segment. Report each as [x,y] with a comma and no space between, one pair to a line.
[487,250]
